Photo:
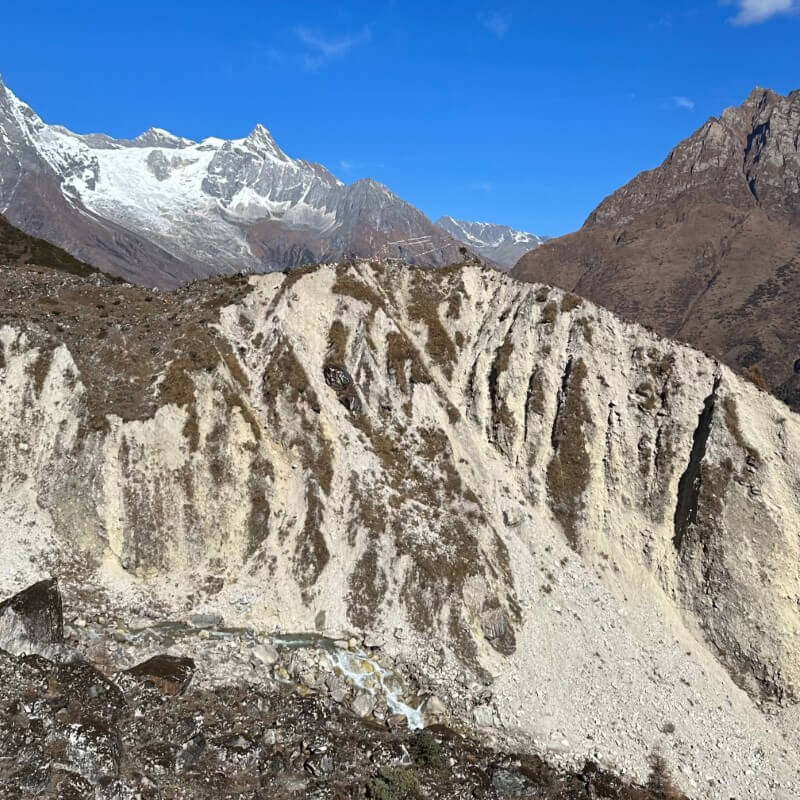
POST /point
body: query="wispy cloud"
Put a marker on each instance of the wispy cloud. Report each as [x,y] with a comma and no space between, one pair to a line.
[683,102]
[496,23]
[751,12]
[322,48]
[346,165]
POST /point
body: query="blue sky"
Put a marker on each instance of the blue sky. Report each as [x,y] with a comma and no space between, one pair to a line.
[527,113]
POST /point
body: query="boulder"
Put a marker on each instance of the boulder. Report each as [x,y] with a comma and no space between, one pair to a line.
[363,704]
[264,654]
[336,377]
[32,619]
[434,707]
[170,674]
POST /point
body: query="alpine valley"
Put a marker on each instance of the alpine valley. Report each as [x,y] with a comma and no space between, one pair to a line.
[369,529]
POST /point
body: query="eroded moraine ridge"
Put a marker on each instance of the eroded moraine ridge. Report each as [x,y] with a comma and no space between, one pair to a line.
[483,472]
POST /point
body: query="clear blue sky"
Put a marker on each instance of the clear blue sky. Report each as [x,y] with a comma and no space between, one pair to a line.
[526,113]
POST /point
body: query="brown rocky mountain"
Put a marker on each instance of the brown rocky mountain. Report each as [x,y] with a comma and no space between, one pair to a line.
[706,247]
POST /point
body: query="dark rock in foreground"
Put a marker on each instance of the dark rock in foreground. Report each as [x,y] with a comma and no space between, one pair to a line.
[32,618]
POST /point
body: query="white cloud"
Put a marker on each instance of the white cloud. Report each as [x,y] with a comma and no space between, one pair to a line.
[346,165]
[683,102]
[496,23]
[751,12]
[324,48]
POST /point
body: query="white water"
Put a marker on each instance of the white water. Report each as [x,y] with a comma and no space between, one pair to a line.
[369,675]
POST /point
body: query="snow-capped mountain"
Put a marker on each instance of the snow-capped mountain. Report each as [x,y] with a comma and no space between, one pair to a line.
[163,210]
[498,243]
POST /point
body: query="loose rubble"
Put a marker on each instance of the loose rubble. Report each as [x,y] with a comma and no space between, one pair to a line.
[68,731]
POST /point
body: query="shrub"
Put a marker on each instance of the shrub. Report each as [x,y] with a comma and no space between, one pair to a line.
[426,751]
[549,313]
[394,783]
[660,782]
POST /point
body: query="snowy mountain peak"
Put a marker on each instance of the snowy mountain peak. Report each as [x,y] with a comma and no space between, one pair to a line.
[158,137]
[163,210]
[499,243]
[261,141]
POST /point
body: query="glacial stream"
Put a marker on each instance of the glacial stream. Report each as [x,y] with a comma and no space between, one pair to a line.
[357,667]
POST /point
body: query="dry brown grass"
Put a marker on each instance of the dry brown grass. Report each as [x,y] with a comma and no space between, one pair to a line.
[337,343]
[549,313]
[39,369]
[756,377]
[426,294]
[349,286]
[400,352]
[569,302]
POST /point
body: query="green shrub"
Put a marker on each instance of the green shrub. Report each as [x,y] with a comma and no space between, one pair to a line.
[427,752]
[394,783]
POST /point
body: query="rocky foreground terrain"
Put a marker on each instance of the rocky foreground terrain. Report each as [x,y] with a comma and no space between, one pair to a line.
[579,538]
[706,247]
[287,729]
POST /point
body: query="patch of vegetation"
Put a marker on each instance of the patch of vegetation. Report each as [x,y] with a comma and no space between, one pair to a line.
[756,377]
[426,750]
[368,586]
[569,470]
[660,782]
[425,296]
[18,248]
[569,302]
[394,783]
[337,342]
[549,314]
[346,284]
[502,418]
[400,352]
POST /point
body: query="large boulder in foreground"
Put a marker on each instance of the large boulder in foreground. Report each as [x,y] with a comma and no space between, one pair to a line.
[32,619]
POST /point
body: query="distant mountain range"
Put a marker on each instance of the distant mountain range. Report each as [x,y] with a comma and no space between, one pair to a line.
[163,210]
[499,244]
[706,247]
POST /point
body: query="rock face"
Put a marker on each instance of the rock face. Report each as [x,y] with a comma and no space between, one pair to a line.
[531,488]
[499,244]
[160,210]
[705,248]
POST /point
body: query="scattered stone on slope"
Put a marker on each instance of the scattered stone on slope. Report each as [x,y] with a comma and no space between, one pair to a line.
[67,732]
